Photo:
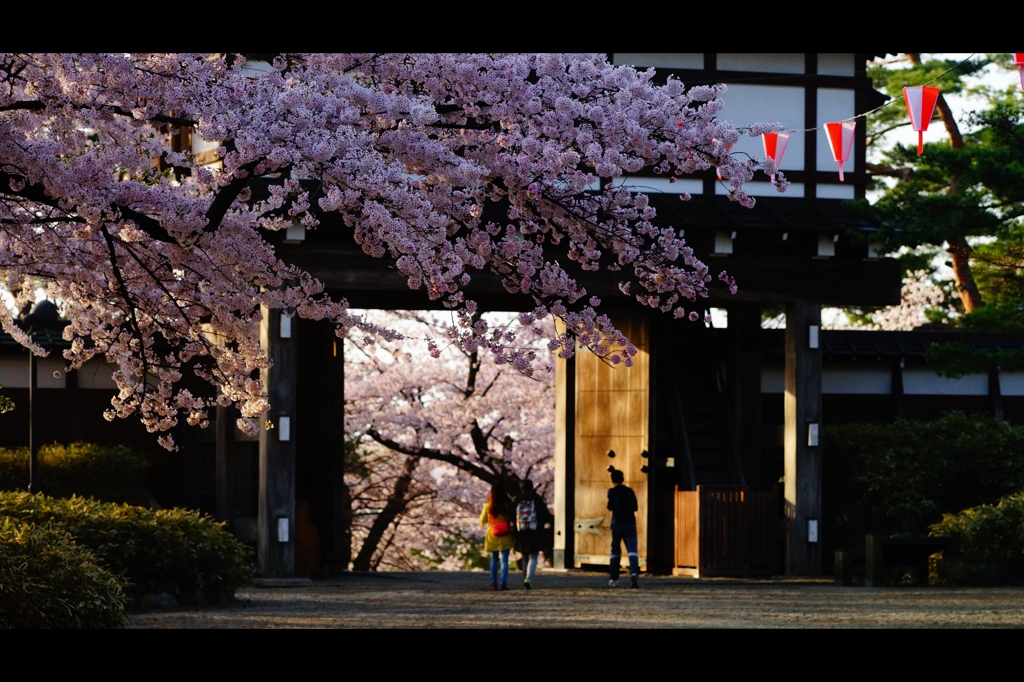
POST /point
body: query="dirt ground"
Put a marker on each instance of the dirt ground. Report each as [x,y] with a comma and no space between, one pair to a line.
[584,600]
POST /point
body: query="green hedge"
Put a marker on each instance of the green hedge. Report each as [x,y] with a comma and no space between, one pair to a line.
[47,581]
[989,531]
[902,477]
[113,473]
[170,550]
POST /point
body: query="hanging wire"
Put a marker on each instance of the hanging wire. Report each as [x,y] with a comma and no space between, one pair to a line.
[882,106]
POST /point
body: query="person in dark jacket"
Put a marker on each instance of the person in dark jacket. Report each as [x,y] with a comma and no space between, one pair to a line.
[622,503]
[532,517]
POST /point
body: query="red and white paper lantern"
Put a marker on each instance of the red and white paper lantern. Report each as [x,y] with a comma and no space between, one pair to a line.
[775,147]
[840,139]
[920,102]
[1018,59]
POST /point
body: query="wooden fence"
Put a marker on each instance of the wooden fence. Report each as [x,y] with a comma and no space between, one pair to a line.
[726,530]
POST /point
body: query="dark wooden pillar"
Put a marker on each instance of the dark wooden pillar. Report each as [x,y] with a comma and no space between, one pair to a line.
[277,450]
[338,548]
[802,438]
[661,483]
[565,461]
[223,436]
[745,325]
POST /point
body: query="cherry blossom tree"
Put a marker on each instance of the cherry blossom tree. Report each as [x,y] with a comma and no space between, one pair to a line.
[444,164]
[919,295]
[432,437]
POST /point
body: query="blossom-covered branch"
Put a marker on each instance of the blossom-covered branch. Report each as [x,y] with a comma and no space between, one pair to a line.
[445,164]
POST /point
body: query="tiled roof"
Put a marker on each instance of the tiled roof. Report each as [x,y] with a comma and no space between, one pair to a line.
[49,339]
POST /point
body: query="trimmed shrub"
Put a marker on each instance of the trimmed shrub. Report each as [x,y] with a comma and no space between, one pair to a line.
[170,550]
[902,477]
[113,473]
[988,531]
[47,581]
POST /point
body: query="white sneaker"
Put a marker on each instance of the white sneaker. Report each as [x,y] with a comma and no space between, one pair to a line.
[613,583]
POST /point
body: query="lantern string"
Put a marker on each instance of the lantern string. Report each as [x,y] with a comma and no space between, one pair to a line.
[882,106]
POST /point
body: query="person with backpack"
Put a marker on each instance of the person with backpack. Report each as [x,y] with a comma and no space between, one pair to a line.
[499,517]
[622,503]
[532,516]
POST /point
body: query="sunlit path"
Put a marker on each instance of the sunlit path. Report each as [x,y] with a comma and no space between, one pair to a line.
[417,600]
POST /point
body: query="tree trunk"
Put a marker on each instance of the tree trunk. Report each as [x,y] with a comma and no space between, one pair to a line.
[343,542]
[959,249]
[396,504]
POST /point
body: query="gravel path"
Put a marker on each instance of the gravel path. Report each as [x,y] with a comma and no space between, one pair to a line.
[583,600]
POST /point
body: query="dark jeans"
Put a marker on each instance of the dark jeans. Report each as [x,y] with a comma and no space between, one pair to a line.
[504,567]
[627,534]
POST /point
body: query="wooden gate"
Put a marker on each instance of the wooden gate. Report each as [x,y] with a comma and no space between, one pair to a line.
[726,530]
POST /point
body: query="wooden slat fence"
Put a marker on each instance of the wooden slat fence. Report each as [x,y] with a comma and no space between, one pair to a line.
[726,530]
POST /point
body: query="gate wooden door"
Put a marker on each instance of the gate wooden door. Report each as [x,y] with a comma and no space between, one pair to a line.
[725,530]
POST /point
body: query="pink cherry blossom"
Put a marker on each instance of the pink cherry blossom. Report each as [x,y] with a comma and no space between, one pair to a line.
[160,256]
[449,427]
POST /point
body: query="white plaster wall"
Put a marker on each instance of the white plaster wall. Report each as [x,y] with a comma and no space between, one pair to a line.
[96,374]
[47,368]
[1011,383]
[926,382]
[864,380]
[835,191]
[836,63]
[878,380]
[782,104]
[594,186]
[14,372]
[199,145]
[662,60]
[764,189]
[834,104]
[770,62]
[660,185]
[256,68]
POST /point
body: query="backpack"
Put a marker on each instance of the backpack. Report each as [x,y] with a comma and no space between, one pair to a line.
[526,512]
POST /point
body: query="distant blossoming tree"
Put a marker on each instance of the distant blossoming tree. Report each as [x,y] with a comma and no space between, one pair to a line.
[919,295]
[434,436]
[159,256]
